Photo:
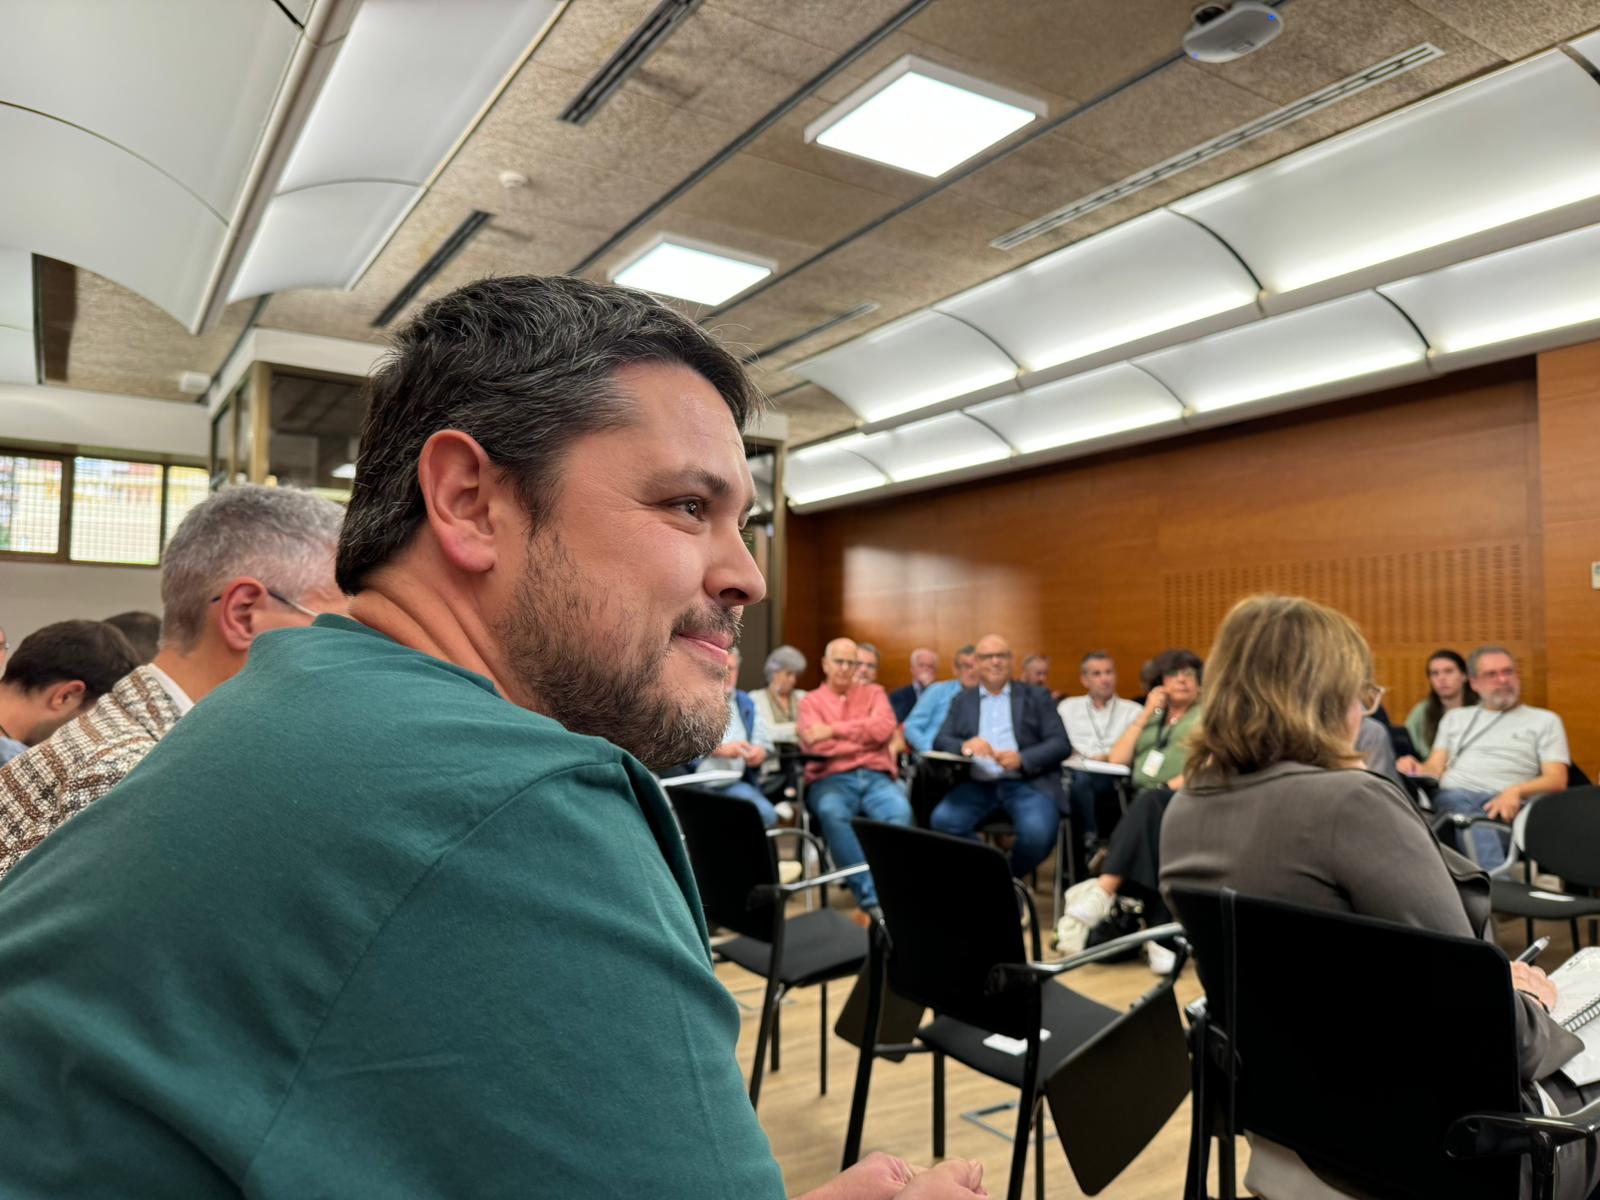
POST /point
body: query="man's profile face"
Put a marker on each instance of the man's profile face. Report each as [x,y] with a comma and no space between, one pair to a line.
[966,670]
[1037,672]
[1100,678]
[867,672]
[641,554]
[924,667]
[1496,681]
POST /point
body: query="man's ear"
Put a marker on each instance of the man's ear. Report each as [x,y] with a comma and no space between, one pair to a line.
[460,488]
[236,612]
[65,697]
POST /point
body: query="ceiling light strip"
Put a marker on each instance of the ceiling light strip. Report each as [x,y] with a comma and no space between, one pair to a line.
[833,322]
[627,58]
[453,245]
[1380,72]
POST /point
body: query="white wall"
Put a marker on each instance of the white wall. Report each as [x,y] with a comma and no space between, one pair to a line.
[35,594]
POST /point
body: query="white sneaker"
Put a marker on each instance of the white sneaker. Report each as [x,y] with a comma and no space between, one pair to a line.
[1087,905]
[1161,959]
[785,812]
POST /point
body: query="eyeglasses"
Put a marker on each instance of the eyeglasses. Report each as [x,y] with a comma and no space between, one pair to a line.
[1371,698]
[1503,673]
[845,662]
[996,656]
[282,599]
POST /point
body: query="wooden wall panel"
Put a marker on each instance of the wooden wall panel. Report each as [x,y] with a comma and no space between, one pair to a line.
[1569,440]
[1417,511]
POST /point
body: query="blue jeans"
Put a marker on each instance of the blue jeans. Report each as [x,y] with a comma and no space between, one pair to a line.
[745,790]
[1033,815]
[1489,841]
[838,799]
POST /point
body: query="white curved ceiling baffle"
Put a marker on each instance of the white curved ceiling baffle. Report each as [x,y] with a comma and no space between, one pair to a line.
[828,469]
[1092,409]
[409,79]
[17,361]
[909,365]
[932,446]
[135,131]
[1518,301]
[1493,163]
[1156,279]
[1358,343]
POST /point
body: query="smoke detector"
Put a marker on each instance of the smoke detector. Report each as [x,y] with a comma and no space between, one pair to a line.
[194,383]
[1224,32]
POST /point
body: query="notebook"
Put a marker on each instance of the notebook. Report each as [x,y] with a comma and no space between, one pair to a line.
[1578,1009]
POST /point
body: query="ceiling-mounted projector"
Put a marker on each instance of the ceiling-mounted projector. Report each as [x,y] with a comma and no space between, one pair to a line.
[1224,32]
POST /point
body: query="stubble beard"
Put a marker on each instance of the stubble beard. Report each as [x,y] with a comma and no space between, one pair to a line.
[607,683]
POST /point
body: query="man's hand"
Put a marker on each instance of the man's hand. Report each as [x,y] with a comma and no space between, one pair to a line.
[881,1176]
[817,733]
[1535,982]
[728,750]
[953,1179]
[1407,765]
[1505,806]
[977,748]
[752,754]
[1009,759]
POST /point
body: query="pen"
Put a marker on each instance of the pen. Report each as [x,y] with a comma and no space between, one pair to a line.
[1533,951]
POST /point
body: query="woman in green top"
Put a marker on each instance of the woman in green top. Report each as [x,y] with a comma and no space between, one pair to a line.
[1448,688]
[1156,748]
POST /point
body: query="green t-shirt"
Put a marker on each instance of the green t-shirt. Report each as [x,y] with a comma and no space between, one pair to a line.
[1172,741]
[360,927]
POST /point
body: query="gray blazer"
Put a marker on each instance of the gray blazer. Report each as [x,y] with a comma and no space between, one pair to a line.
[1348,841]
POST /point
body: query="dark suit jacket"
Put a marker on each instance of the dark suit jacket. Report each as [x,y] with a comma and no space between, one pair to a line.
[1041,738]
[903,700]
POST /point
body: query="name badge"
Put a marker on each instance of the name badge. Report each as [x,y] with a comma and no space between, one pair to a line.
[1152,763]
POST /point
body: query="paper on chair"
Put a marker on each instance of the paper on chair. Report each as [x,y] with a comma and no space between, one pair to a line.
[1010,1045]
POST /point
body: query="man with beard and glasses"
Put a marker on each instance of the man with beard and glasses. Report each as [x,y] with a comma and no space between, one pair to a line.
[400,910]
[1493,757]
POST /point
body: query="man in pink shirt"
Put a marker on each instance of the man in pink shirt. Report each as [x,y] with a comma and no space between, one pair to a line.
[852,724]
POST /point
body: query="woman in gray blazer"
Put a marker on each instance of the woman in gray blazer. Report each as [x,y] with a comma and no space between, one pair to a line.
[1276,803]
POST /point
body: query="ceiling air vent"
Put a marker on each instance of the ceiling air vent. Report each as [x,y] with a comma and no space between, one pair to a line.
[629,57]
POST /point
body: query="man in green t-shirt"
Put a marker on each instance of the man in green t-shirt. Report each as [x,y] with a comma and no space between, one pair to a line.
[399,911]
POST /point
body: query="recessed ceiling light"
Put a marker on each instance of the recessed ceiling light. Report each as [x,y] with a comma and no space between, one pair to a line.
[922,117]
[691,270]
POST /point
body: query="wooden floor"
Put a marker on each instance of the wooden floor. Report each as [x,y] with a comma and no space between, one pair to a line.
[807,1129]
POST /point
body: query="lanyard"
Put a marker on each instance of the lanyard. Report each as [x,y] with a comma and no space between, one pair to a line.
[1101,736]
[1164,734]
[1466,737]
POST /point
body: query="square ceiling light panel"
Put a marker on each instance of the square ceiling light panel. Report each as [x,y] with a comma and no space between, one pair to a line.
[1496,162]
[1154,281]
[1088,408]
[1519,301]
[1359,343]
[910,364]
[691,270]
[921,117]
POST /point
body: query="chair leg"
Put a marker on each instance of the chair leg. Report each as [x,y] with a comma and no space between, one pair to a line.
[938,1104]
[1529,923]
[1038,1150]
[777,1015]
[1575,942]
[1019,1145]
[769,1022]
[1227,1167]
[823,1041]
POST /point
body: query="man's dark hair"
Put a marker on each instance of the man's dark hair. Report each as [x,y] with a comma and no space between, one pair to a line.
[525,366]
[143,631]
[92,651]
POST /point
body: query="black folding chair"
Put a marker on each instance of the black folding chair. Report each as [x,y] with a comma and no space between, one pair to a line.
[737,871]
[1301,1041]
[952,941]
[1561,834]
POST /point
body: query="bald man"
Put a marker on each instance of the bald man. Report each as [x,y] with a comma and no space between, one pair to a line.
[851,724]
[1014,737]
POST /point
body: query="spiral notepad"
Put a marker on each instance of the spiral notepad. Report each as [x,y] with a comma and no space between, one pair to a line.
[1577,1009]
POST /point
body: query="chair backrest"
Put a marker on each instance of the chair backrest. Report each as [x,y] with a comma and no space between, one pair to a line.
[1358,1042]
[1563,835]
[731,856]
[951,912]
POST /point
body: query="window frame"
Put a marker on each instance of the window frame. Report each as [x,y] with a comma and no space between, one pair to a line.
[67,459]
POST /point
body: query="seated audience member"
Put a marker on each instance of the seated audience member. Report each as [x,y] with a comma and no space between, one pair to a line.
[1016,743]
[1093,721]
[143,631]
[1490,758]
[56,673]
[1155,746]
[924,670]
[851,723]
[398,912]
[1035,671]
[779,702]
[1448,688]
[245,560]
[1276,804]
[745,747]
[933,706]
[868,671]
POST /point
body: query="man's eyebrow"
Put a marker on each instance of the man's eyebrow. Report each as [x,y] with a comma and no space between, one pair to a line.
[699,479]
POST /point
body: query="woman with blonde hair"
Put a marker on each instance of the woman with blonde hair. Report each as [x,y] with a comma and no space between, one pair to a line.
[1276,804]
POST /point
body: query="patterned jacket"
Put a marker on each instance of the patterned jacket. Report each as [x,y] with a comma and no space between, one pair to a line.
[80,762]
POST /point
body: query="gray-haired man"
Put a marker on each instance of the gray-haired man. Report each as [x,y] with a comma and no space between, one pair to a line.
[244,561]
